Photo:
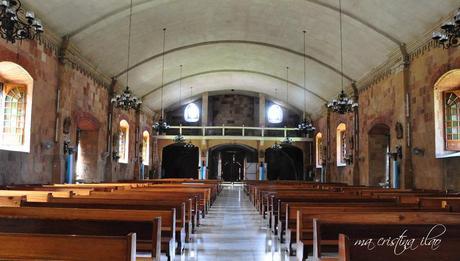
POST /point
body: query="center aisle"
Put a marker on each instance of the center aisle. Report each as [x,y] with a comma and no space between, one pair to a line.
[233,230]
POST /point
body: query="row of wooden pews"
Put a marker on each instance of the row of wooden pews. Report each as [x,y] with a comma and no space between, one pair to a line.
[105,221]
[333,221]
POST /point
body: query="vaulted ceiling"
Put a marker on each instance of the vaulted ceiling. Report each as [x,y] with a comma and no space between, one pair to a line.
[240,44]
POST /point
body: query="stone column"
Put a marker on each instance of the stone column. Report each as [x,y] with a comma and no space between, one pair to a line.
[204,109]
[261,110]
[407,175]
[355,153]
[59,157]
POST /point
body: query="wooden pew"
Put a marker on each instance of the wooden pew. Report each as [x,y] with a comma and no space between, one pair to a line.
[150,236]
[349,250]
[183,225]
[450,203]
[36,196]
[289,226]
[11,201]
[74,190]
[304,222]
[317,197]
[153,196]
[21,246]
[387,224]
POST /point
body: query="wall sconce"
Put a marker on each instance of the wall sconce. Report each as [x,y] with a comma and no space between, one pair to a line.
[396,154]
[46,145]
[418,151]
[349,159]
[115,155]
[67,148]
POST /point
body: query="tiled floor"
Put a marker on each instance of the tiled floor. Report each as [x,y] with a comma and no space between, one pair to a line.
[233,230]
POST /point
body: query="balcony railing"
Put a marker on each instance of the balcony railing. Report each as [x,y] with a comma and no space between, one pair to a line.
[234,132]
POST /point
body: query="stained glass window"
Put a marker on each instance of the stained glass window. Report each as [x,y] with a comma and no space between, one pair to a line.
[452,120]
[13,116]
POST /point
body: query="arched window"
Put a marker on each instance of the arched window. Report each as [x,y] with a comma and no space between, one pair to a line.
[447,114]
[145,148]
[14,114]
[452,120]
[123,138]
[341,144]
[191,113]
[275,114]
[15,107]
[319,150]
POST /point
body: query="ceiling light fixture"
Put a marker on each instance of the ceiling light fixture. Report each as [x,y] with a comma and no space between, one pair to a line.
[127,100]
[451,33]
[343,104]
[13,27]
[306,125]
[161,126]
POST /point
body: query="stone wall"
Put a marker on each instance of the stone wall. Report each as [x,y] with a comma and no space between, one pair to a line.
[384,103]
[233,110]
[36,166]
[84,102]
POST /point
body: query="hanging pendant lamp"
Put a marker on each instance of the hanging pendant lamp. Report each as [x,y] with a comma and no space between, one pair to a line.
[305,126]
[343,104]
[161,126]
[127,100]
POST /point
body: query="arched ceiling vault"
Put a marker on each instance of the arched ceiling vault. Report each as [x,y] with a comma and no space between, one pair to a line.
[291,84]
[159,55]
[240,44]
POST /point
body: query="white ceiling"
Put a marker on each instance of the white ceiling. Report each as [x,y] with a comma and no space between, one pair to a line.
[240,44]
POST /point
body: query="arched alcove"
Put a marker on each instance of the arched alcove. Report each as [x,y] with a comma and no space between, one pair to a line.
[180,161]
[378,149]
[87,146]
[285,163]
[232,162]
[16,89]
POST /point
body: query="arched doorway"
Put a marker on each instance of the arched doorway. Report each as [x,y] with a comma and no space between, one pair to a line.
[379,161]
[285,163]
[87,140]
[180,161]
[232,162]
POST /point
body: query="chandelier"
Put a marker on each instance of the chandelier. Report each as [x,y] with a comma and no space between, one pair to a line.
[13,27]
[451,33]
[181,140]
[287,141]
[161,126]
[276,146]
[127,100]
[343,104]
[305,126]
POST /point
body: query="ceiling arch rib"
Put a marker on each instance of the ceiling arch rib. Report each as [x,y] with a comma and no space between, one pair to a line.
[148,3]
[235,71]
[156,56]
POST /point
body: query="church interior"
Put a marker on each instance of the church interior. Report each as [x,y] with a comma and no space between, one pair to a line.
[229,130]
